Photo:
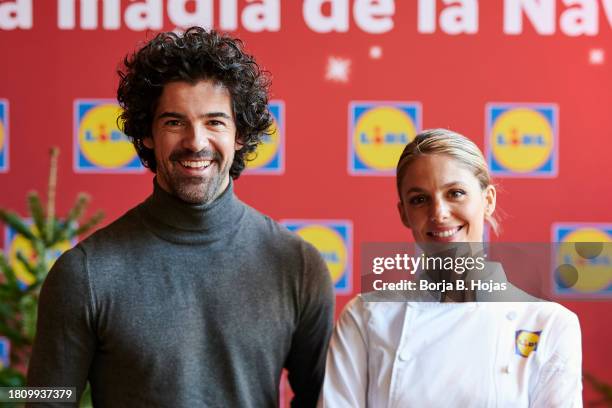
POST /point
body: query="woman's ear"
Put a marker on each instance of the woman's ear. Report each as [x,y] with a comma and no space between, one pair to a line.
[490,196]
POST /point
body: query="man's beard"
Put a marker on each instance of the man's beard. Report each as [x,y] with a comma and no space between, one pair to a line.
[195,189]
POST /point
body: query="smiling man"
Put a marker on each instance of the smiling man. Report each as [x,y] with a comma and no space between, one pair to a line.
[192,298]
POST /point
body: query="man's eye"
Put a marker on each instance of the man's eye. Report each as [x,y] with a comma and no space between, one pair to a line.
[417,200]
[172,122]
[216,123]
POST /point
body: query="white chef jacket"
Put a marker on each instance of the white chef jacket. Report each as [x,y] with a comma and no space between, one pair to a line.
[428,354]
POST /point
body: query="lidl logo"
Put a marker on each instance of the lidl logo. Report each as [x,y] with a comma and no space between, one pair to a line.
[378,133]
[333,239]
[4,135]
[526,342]
[5,352]
[522,139]
[99,145]
[582,265]
[17,243]
[269,158]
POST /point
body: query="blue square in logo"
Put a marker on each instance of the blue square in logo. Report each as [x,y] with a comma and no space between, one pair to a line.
[377,134]
[99,145]
[582,270]
[521,139]
[270,155]
[4,136]
[334,241]
[5,352]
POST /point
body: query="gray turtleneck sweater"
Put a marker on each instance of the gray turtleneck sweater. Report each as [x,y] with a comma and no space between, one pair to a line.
[178,305]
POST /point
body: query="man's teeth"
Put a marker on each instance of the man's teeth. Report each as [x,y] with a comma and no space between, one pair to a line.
[196,164]
[445,234]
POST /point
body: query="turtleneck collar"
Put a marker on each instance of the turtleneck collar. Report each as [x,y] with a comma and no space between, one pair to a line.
[175,220]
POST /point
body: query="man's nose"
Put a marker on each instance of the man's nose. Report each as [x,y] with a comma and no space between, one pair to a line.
[196,139]
[440,210]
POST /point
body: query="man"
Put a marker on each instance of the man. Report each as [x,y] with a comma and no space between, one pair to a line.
[191,298]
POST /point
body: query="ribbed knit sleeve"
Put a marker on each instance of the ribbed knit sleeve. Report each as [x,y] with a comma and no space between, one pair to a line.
[65,342]
[306,360]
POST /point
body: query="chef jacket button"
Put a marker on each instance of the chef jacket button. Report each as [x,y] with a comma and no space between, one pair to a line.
[511,315]
[507,369]
[405,355]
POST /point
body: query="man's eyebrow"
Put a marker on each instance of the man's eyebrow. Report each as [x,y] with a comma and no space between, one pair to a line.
[206,115]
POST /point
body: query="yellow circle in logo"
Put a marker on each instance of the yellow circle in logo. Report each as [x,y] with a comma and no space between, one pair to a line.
[594,274]
[331,246]
[522,139]
[527,342]
[266,150]
[101,142]
[380,136]
[23,245]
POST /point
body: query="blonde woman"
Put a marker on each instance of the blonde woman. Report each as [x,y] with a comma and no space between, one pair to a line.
[451,352]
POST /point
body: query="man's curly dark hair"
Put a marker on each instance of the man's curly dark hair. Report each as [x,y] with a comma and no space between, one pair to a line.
[196,55]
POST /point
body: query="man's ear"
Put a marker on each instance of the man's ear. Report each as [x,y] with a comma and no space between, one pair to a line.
[402,213]
[148,142]
[238,144]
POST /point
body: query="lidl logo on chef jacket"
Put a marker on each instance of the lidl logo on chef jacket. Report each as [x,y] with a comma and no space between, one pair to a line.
[583,260]
[378,133]
[333,240]
[99,145]
[526,342]
[4,136]
[522,139]
[269,158]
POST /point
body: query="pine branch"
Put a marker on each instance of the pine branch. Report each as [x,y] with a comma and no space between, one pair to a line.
[79,207]
[9,273]
[15,222]
[37,213]
[51,191]
[89,224]
[26,263]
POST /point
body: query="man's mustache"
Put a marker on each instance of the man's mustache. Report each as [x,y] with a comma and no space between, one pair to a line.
[188,155]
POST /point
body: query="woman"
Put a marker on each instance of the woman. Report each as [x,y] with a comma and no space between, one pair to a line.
[450,352]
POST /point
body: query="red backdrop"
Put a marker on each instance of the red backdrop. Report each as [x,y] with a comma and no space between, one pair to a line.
[45,68]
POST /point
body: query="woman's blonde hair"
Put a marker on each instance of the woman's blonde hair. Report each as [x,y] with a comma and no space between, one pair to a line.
[453,144]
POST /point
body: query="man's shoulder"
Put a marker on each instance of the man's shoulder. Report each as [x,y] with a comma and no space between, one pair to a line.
[269,230]
[116,234]
[273,237]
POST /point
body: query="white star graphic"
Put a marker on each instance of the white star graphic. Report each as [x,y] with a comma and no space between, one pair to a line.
[338,69]
[597,56]
[375,52]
